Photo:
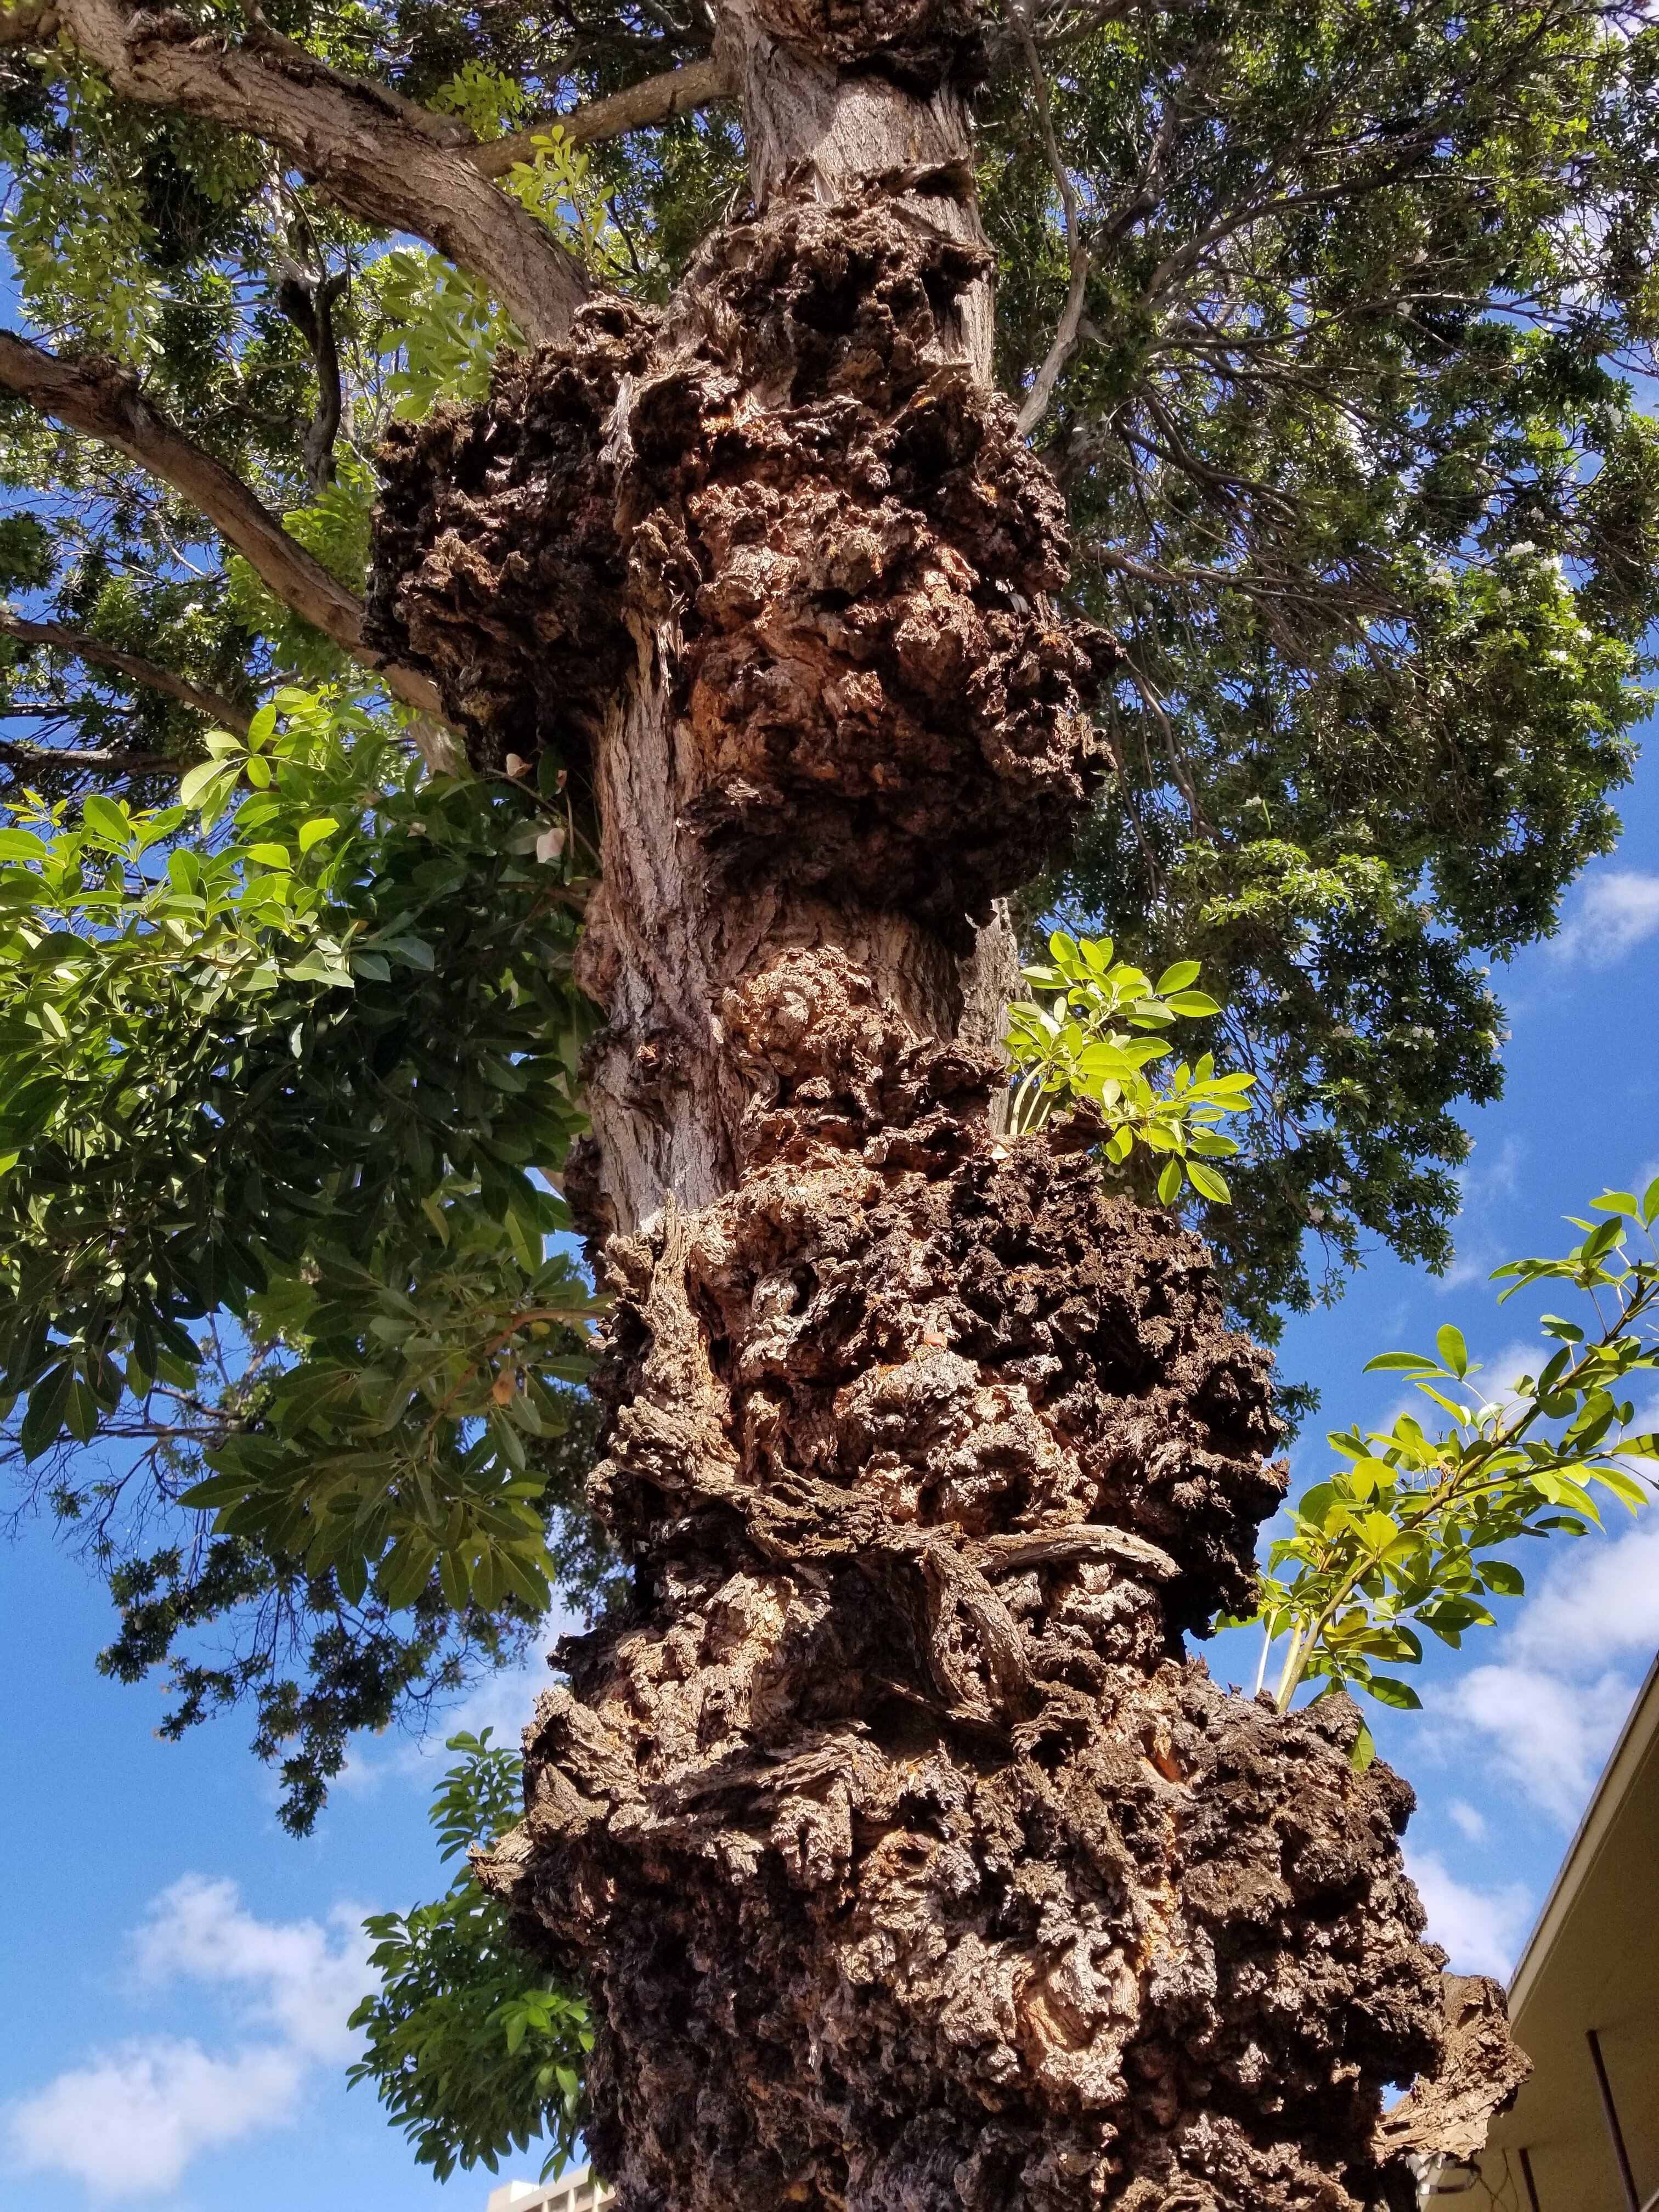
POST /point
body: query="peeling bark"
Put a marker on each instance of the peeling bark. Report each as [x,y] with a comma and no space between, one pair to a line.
[909,1862]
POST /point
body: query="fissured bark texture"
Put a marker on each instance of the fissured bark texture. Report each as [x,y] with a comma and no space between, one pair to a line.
[909,1861]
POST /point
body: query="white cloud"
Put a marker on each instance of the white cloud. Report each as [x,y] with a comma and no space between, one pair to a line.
[129,2121]
[1469,1823]
[1546,1737]
[128,2124]
[1600,1605]
[1482,1929]
[1542,1717]
[1616,911]
[302,1985]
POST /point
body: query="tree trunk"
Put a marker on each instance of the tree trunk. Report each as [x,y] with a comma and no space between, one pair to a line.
[907,1859]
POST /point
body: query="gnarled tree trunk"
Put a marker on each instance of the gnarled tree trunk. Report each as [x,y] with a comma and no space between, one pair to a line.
[907,1860]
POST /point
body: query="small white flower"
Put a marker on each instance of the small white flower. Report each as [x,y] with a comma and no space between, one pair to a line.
[517,767]
[550,843]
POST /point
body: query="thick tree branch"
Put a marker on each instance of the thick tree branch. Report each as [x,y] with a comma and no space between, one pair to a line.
[375,154]
[92,760]
[218,709]
[101,399]
[653,100]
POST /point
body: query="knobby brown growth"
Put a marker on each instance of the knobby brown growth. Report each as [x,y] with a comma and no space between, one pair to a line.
[854,553]
[909,1861]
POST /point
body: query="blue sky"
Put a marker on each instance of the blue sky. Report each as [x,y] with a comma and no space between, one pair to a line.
[177,1970]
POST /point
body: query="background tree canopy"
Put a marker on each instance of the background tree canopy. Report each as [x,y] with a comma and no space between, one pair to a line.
[1334,320]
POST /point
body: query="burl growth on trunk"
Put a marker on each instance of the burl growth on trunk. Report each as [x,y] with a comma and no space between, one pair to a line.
[907,1860]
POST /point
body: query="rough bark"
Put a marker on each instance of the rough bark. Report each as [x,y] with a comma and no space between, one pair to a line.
[909,1862]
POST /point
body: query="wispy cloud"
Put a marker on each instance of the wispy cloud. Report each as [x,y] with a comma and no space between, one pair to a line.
[1616,911]
[1483,1929]
[129,2121]
[1540,1718]
[1486,1184]
[1469,1823]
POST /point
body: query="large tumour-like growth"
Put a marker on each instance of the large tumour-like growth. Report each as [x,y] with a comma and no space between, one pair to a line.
[909,1862]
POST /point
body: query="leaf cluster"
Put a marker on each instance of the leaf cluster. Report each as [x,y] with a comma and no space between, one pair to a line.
[473,2052]
[302,1072]
[1416,1528]
[1081,1045]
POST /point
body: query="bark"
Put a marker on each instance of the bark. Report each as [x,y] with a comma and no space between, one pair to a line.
[310,308]
[102,399]
[380,156]
[908,1859]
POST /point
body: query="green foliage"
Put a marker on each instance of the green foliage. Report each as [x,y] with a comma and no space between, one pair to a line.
[442,328]
[1358,474]
[1415,1529]
[555,188]
[1080,1045]
[472,2052]
[486,100]
[302,1075]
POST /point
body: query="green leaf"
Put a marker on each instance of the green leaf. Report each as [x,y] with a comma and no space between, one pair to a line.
[197,781]
[105,819]
[1169,1183]
[1617,1201]
[1210,1182]
[1176,978]
[1389,1691]
[1499,1576]
[1405,1361]
[49,1399]
[1454,1353]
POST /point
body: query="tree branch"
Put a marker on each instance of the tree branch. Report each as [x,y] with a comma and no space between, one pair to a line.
[375,152]
[310,308]
[653,100]
[218,709]
[101,760]
[101,399]
[1071,315]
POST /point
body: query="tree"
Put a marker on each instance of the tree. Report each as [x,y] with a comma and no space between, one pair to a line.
[903,1856]
[474,2054]
[477,2055]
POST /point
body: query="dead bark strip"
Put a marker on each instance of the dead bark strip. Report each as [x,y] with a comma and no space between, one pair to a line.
[909,1862]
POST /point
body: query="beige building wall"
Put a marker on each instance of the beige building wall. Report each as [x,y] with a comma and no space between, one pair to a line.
[575,2191]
